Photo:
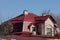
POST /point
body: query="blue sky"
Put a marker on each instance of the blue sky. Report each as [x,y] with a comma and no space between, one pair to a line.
[12,8]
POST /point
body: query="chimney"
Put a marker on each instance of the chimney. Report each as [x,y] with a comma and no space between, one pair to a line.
[25,12]
[43,14]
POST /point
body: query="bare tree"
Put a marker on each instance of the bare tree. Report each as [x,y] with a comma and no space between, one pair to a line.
[5,29]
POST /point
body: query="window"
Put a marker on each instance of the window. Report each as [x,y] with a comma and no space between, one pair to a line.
[49,31]
[33,28]
[29,27]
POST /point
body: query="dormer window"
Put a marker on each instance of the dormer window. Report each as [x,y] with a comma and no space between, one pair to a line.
[34,29]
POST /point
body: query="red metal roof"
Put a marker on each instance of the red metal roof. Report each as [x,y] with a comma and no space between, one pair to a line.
[42,18]
[20,17]
[30,17]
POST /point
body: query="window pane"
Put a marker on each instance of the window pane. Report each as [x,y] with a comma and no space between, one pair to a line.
[33,28]
[49,31]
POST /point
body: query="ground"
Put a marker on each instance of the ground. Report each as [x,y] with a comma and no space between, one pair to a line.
[15,37]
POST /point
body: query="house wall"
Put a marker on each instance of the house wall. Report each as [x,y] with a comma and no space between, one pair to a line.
[40,28]
[43,29]
[25,26]
[49,24]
